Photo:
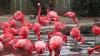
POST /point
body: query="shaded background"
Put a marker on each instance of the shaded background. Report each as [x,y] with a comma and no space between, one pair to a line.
[81,7]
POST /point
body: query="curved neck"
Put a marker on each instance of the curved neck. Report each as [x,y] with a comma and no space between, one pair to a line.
[39,12]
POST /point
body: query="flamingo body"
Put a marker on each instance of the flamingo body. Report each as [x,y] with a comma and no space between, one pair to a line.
[40,47]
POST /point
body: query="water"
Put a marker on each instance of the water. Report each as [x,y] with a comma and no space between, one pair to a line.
[65,49]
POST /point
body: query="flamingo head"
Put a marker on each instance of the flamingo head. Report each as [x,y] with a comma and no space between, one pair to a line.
[18,16]
[90,50]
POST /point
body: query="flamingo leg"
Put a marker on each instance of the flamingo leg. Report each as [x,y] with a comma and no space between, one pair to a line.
[49,26]
[95,39]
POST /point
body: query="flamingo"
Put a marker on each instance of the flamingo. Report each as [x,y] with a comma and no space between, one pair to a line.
[6,37]
[5,25]
[23,32]
[91,50]
[36,27]
[29,25]
[59,26]
[55,44]
[19,16]
[25,45]
[53,16]
[51,34]
[11,43]
[25,23]
[12,23]
[81,39]
[43,20]
[1,46]
[40,47]
[10,30]
[75,32]
[72,15]
[96,30]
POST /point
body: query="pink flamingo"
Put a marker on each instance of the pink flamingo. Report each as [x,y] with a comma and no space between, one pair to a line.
[36,27]
[55,44]
[6,37]
[10,30]
[91,50]
[12,23]
[51,34]
[59,26]
[96,30]
[25,45]
[28,24]
[72,15]
[5,25]
[53,16]
[43,20]
[1,46]
[40,47]
[19,16]
[81,39]
[23,32]
[75,33]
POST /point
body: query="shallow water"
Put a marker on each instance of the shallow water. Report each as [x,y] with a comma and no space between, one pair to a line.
[64,52]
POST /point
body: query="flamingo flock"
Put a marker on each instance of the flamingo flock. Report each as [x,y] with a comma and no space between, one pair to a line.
[17,25]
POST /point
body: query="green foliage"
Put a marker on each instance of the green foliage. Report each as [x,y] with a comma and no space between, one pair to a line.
[86,7]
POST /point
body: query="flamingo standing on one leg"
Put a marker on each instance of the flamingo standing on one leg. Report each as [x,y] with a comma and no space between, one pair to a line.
[75,33]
